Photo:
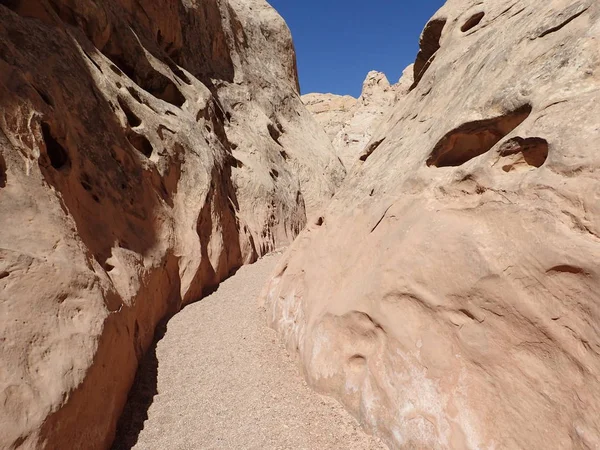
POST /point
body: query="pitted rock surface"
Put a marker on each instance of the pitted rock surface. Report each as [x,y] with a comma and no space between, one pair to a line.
[449,296]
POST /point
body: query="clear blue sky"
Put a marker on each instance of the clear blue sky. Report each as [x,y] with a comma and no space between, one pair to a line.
[339,41]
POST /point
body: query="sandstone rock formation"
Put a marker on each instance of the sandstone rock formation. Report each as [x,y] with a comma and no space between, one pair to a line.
[147,149]
[450,295]
[350,123]
[331,111]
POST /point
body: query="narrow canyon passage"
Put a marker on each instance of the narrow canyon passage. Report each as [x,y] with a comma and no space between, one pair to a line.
[219,379]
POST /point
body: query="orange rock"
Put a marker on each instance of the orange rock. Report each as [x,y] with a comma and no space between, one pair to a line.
[147,149]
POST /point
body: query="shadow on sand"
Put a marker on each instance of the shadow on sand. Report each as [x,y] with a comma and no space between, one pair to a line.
[141,396]
[145,386]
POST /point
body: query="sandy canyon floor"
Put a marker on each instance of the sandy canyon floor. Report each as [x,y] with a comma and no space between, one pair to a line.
[218,378]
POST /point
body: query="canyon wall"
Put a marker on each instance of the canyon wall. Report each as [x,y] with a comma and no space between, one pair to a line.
[449,296]
[147,149]
[350,123]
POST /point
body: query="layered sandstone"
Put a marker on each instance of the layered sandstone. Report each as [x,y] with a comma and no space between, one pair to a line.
[350,123]
[147,149]
[330,110]
[450,295]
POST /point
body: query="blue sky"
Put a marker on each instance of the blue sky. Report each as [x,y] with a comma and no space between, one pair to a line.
[339,41]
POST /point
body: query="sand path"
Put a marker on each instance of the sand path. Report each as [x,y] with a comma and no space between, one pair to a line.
[219,379]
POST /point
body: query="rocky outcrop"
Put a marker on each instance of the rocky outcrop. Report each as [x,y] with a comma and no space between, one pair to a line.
[350,123]
[330,110]
[147,149]
[449,296]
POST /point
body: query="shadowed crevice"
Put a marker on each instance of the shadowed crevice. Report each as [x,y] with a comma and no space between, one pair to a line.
[3,177]
[523,153]
[57,154]
[428,47]
[141,396]
[370,149]
[475,138]
[472,22]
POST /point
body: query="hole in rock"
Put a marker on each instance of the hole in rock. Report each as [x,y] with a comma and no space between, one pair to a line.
[284,154]
[236,163]
[4,274]
[567,268]
[524,153]
[116,70]
[132,119]
[274,132]
[357,359]
[136,95]
[320,221]
[472,22]
[170,93]
[139,70]
[428,47]
[86,186]
[203,114]
[57,154]
[274,174]
[370,149]
[177,71]
[475,138]
[467,313]
[141,144]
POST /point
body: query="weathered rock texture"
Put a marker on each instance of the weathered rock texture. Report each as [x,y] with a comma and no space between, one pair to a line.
[350,123]
[450,296]
[147,149]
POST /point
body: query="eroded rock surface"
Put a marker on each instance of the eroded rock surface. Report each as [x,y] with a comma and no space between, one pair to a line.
[147,149]
[350,123]
[450,296]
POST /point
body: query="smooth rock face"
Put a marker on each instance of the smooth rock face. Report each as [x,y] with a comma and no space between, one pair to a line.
[147,149]
[450,296]
[350,123]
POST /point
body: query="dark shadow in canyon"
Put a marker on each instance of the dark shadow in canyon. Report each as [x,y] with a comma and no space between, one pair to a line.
[141,395]
[145,384]
[2,171]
